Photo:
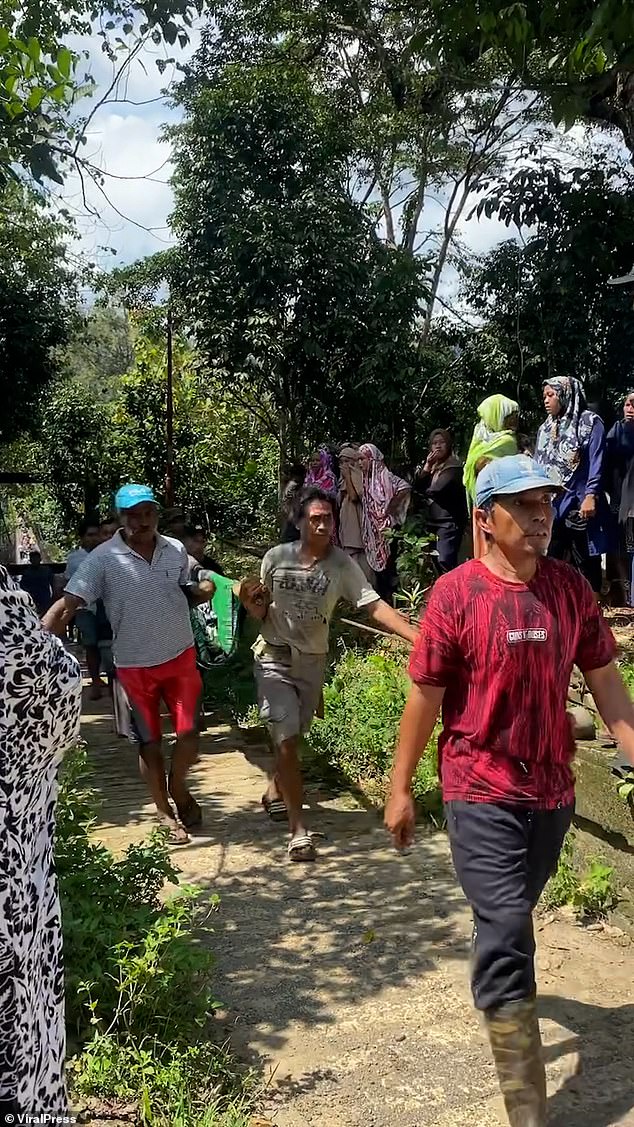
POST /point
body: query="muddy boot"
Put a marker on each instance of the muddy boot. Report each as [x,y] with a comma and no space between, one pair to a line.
[517,1050]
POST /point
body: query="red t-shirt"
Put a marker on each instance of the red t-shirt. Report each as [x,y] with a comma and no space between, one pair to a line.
[504,653]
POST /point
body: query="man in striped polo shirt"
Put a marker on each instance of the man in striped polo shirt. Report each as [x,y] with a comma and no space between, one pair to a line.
[143,579]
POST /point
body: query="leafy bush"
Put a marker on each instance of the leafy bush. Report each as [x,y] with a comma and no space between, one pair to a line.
[139,999]
[592,893]
[364,703]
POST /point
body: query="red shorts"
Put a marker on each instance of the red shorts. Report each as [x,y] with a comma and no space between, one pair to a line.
[177,682]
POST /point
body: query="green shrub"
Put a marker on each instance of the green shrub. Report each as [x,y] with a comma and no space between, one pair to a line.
[138,978]
[364,703]
[592,893]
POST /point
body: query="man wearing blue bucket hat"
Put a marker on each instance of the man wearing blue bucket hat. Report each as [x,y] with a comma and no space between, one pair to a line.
[497,644]
[143,580]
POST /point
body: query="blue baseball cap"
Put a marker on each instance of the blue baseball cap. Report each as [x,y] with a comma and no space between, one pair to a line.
[506,476]
[130,495]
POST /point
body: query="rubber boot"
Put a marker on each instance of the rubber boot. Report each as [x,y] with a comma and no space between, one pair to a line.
[517,1050]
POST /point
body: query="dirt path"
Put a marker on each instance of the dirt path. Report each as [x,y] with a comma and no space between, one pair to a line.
[348,978]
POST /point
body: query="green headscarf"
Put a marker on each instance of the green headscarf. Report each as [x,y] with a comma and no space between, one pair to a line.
[490,439]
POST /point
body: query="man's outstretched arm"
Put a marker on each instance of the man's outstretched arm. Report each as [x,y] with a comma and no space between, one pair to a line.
[62,612]
[392,620]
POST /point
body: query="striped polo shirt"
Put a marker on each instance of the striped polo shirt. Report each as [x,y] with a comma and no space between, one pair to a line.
[144,602]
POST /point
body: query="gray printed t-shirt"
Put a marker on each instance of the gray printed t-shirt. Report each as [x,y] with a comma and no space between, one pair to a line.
[304,598]
[144,602]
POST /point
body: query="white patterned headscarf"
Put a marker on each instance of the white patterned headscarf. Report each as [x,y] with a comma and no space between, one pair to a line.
[562,438]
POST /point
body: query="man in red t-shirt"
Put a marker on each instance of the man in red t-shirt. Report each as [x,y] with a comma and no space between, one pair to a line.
[497,644]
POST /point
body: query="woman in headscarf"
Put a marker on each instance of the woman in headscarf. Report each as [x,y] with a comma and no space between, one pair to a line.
[494,436]
[571,443]
[618,478]
[385,502]
[351,507]
[439,480]
[321,472]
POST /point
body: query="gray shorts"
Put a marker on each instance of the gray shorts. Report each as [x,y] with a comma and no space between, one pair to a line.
[289,696]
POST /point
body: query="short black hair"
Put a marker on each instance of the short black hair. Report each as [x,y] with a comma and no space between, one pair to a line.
[193,530]
[110,519]
[310,494]
[84,525]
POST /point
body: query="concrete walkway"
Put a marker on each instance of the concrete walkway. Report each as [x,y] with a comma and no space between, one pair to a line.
[346,981]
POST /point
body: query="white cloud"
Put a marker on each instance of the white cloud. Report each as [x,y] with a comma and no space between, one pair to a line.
[129,213]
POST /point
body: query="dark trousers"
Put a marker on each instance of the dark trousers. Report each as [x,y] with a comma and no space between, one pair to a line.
[448,541]
[503,857]
[571,546]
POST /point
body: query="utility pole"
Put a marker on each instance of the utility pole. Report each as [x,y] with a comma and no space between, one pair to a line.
[169,417]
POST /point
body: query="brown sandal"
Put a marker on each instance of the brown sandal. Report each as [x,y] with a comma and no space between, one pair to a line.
[176,833]
[189,812]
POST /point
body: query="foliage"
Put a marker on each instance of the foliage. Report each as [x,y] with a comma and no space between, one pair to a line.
[625,786]
[40,76]
[289,290]
[98,353]
[37,302]
[591,893]
[364,703]
[577,54]
[414,555]
[138,995]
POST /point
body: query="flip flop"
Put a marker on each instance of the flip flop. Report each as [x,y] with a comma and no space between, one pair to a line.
[176,834]
[190,812]
[301,848]
[275,808]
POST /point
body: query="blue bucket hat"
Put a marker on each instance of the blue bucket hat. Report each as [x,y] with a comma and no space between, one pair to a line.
[505,476]
[130,495]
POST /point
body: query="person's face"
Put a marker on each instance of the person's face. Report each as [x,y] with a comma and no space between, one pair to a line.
[315,461]
[176,528]
[552,402]
[196,546]
[364,458]
[108,530]
[521,524]
[91,538]
[317,524]
[512,421]
[439,448]
[628,409]
[141,522]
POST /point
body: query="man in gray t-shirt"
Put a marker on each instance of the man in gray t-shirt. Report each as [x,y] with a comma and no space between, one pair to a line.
[143,580]
[299,588]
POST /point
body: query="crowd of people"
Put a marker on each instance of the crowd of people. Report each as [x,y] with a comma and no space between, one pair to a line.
[594,508]
[493,655]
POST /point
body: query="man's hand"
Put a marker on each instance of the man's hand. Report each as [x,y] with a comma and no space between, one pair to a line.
[588,506]
[400,818]
[614,704]
[203,591]
[255,598]
[61,613]
[417,724]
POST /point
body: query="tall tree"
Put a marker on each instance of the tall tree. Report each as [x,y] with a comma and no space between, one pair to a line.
[295,301]
[546,302]
[38,299]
